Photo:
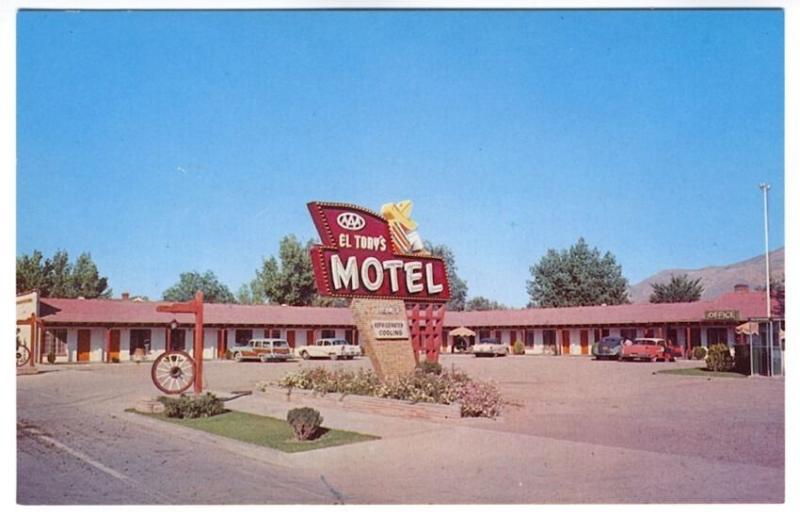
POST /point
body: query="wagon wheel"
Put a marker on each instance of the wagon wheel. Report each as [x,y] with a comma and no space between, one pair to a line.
[23,355]
[173,372]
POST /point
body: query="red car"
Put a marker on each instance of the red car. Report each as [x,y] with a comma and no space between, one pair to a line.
[648,349]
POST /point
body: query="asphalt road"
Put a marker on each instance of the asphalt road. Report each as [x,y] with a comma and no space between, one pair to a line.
[577,431]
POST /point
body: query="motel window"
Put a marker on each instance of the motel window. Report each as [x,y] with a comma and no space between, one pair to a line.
[716,336]
[140,339]
[178,340]
[529,338]
[549,337]
[272,334]
[56,341]
[484,334]
[243,337]
[628,333]
[348,336]
[328,334]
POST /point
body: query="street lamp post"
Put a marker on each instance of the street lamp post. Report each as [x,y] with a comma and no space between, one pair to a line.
[764,189]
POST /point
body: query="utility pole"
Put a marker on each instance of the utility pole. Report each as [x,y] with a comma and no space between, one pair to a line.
[764,189]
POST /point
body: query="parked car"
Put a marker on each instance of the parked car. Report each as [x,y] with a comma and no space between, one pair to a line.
[262,349]
[335,349]
[608,348]
[489,348]
[647,349]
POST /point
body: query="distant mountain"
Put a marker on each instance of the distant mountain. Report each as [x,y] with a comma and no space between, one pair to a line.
[717,280]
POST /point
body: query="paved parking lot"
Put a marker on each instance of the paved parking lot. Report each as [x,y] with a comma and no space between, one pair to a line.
[576,430]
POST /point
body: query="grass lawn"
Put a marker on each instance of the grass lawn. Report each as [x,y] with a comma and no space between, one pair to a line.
[264,431]
[701,371]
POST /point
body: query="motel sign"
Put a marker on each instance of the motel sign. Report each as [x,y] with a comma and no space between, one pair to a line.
[366,255]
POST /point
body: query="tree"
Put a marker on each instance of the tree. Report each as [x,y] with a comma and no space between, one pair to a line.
[57,277]
[777,291]
[578,276]
[292,281]
[458,287]
[190,282]
[480,303]
[31,274]
[247,294]
[86,281]
[680,289]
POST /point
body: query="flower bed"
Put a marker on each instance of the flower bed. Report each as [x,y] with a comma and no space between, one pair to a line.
[476,398]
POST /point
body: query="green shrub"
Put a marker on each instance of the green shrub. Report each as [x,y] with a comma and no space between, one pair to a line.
[430,368]
[699,353]
[519,348]
[305,422]
[191,407]
[51,357]
[719,358]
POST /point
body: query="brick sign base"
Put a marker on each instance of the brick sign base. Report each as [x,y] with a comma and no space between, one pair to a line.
[389,356]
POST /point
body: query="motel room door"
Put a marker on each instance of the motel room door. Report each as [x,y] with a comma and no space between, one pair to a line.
[290,338]
[584,342]
[84,345]
[565,342]
[113,346]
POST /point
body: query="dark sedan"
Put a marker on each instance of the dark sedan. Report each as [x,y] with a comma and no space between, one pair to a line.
[608,348]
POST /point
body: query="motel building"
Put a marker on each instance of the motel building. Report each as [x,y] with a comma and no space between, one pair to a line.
[111,330]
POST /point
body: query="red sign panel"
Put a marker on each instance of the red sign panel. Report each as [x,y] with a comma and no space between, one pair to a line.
[359,258]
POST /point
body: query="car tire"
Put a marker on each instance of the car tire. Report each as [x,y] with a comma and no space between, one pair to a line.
[238,356]
[304,355]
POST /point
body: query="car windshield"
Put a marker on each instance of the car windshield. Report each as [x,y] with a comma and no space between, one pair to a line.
[488,341]
[610,341]
[280,343]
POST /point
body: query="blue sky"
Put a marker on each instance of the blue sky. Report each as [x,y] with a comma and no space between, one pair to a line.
[163,142]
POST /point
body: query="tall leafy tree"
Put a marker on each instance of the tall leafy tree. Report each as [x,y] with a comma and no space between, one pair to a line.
[189,283]
[31,274]
[458,287]
[578,276]
[679,289]
[57,277]
[479,303]
[86,281]
[290,282]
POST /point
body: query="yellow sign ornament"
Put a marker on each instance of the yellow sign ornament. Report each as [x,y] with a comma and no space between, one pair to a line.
[403,227]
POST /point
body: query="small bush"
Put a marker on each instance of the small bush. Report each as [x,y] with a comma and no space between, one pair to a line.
[699,353]
[228,354]
[519,348]
[430,368]
[719,358]
[51,357]
[191,407]
[115,360]
[305,422]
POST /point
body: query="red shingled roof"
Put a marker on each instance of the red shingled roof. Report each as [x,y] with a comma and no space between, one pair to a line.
[122,312]
[128,312]
[749,304]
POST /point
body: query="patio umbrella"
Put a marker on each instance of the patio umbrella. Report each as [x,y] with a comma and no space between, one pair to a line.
[462,332]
